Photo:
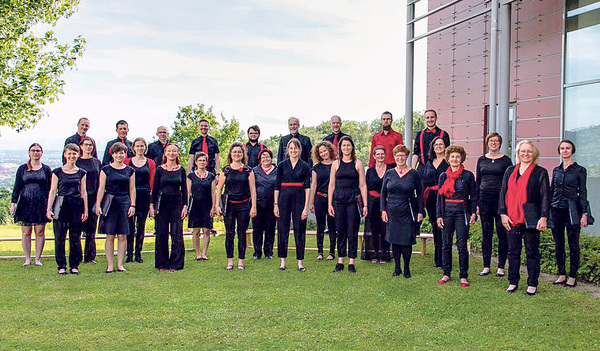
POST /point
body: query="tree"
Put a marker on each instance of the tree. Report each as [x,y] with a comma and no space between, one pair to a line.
[31,66]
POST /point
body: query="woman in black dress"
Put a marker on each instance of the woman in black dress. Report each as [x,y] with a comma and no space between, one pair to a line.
[490,170]
[115,204]
[264,222]
[376,248]
[239,201]
[201,190]
[568,210]
[91,166]
[169,208]
[292,191]
[322,155]
[347,187]
[435,166]
[402,208]
[68,206]
[144,168]
[456,211]
[28,204]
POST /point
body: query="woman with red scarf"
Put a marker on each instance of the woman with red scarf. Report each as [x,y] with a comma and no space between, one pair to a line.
[524,206]
[456,211]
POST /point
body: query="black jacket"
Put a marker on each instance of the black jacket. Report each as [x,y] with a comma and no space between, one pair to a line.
[465,189]
[569,185]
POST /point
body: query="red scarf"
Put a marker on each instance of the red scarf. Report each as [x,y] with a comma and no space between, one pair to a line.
[447,188]
[516,194]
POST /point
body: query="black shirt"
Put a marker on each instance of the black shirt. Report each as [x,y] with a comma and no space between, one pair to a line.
[489,175]
[423,141]
[374,183]
[331,137]
[322,172]
[236,183]
[117,180]
[304,142]
[76,139]
[201,187]
[569,184]
[69,184]
[287,174]
[213,149]
[92,168]
[39,180]
[108,157]
[265,186]
[171,187]
[465,188]
[430,174]
[144,175]
[156,151]
[253,151]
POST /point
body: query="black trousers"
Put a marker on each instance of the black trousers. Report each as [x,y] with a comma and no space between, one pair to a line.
[489,214]
[291,204]
[169,223]
[560,217]
[60,235]
[406,252]
[437,232]
[323,218]
[347,221]
[236,220]
[89,230]
[455,221]
[531,237]
[263,222]
[137,224]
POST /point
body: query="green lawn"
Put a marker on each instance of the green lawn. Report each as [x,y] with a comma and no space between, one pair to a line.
[206,307]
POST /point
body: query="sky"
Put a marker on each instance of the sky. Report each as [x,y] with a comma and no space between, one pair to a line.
[260,61]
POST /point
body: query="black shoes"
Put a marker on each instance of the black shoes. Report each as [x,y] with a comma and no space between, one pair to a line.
[351,268]
[301,269]
[281,269]
[339,267]
[483,273]
[531,293]
[268,257]
[571,286]
[510,291]
[129,259]
[138,259]
[406,273]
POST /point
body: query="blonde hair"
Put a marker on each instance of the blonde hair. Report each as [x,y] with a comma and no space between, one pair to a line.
[536,152]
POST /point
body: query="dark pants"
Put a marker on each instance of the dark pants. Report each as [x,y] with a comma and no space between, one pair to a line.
[532,249]
[137,224]
[323,218]
[489,214]
[169,223]
[291,204]
[560,217]
[437,232]
[406,252]
[455,221]
[60,235]
[264,222]
[236,220]
[89,230]
[347,221]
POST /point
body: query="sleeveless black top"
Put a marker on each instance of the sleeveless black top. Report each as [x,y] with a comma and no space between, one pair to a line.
[346,183]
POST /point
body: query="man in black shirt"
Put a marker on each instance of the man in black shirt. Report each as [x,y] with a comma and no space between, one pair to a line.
[337,134]
[253,147]
[122,131]
[82,127]
[294,125]
[424,137]
[156,149]
[208,145]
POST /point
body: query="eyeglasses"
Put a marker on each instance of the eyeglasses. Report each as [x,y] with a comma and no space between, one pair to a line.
[35,150]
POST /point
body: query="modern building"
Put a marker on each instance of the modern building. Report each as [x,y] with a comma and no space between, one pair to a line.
[537,61]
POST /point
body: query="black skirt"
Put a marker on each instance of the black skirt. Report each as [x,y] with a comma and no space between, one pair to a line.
[116,220]
[200,214]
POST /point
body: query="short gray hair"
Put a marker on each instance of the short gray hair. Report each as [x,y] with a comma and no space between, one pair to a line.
[294,118]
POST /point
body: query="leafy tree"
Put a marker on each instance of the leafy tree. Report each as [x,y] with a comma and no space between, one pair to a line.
[31,66]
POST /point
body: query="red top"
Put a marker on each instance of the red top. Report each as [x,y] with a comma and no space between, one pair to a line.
[389,141]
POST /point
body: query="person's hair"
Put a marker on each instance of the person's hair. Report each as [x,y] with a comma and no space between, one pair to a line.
[157,128]
[401,148]
[430,110]
[199,154]
[295,142]
[241,146]
[377,148]
[81,119]
[536,152]
[263,151]
[567,141]
[295,119]
[164,158]
[334,116]
[87,138]
[388,113]
[353,153]
[117,147]
[431,155]
[203,120]
[143,141]
[316,156]
[493,135]
[455,149]
[29,167]
[255,128]
[120,122]
[72,147]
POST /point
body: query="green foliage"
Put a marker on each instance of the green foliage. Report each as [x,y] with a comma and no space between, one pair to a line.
[5,198]
[31,66]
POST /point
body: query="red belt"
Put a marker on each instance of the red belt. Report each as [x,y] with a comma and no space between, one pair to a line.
[374,194]
[321,194]
[455,201]
[428,191]
[239,202]
[297,185]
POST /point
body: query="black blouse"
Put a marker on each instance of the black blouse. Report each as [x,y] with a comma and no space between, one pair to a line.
[92,167]
[201,187]
[237,185]
[117,180]
[265,186]
[322,172]
[489,175]
[465,189]
[431,175]
[69,184]
[538,195]
[298,174]
[40,179]
[171,187]
[374,183]
[569,184]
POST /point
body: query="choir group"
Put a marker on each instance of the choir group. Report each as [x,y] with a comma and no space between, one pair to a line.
[135,180]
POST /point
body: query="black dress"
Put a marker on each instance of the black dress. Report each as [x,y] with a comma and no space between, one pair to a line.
[431,176]
[201,201]
[115,221]
[237,213]
[375,246]
[30,194]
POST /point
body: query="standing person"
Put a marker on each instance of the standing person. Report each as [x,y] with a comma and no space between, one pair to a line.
[336,133]
[388,138]
[239,201]
[29,198]
[168,205]
[83,125]
[376,248]
[91,166]
[68,206]
[265,220]
[293,126]
[568,210]
[436,165]
[201,191]
[524,207]
[253,147]
[322,154]
[490,170]
[122,131]
[206,144]
[402,208]
[144,168]
[424,137]
[156,149]
[456,211]
[346,185]
[292,191]
[115,203]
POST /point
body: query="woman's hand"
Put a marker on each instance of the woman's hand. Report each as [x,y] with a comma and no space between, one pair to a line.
[542,224]
[312,208]
[49,214]
[252,212]
[506,222]
[84,216]
[420,217]
[12,209]
[99,211]
[584,221]
[276,210]
[473,219]
[212,212]
[131,211]
[218,211]
[440,223]
[331,211]
[184,212]
[304,214]
[365,211]
[384,216]
[151,211]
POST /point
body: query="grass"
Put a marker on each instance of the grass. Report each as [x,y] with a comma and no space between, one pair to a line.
[206,307]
